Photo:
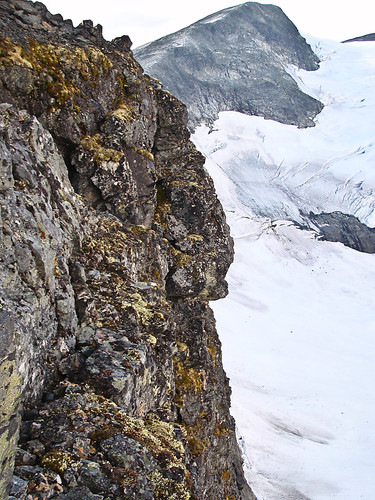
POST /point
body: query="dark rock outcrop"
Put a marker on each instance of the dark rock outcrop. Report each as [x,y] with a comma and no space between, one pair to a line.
[112,244]
[343,228]
[235,60]
[364,38]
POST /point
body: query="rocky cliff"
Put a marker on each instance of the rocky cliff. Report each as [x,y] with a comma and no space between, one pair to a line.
[236,60]
[112,244]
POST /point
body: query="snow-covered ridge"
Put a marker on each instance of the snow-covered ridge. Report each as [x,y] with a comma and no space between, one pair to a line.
[301,352]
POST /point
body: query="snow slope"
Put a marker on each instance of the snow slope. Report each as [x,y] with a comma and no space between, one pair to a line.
[280,169]
[298,326]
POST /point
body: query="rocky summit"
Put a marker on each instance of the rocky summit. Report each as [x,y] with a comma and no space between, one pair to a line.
[236,60]
[112,243]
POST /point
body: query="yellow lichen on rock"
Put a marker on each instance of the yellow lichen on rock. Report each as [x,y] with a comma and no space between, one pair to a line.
[144,312]
[187,379]
[145,153]
[167,489]
[58,68]
[158,436]
[60,461]
[10,53]
[101,154]
[124,112]
[181,259]
[9,400]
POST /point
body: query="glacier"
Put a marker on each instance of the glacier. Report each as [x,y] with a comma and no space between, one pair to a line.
[298,325]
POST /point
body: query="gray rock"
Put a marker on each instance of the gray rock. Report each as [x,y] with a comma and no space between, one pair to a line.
[93,478]
[343,228]
[80,493]
[128,453]
[18,488]
[236,60]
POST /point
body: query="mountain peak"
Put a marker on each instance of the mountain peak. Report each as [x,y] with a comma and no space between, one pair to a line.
[236,59]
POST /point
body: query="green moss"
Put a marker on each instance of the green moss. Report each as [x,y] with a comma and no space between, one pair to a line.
[161,196]
[163,206]
[12,54]
[47,61]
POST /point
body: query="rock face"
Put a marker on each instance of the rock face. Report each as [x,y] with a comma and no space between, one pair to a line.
[112,244]
[236,60]
[344,228]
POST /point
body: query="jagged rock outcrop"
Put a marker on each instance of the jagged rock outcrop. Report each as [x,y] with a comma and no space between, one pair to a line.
[236,60]
[343,228]
[112,244]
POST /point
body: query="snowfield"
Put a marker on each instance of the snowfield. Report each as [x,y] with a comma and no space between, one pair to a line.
[298,326]
[280,169]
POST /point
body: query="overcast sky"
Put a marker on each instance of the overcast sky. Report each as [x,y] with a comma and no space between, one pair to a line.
[147,20]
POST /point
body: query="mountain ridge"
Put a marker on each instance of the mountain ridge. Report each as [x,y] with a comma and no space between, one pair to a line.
[235,59]
[370,37]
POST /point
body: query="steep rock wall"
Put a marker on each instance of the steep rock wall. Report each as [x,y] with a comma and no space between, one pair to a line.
[112,244]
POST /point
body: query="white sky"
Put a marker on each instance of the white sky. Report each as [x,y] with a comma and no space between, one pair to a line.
[147,20]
